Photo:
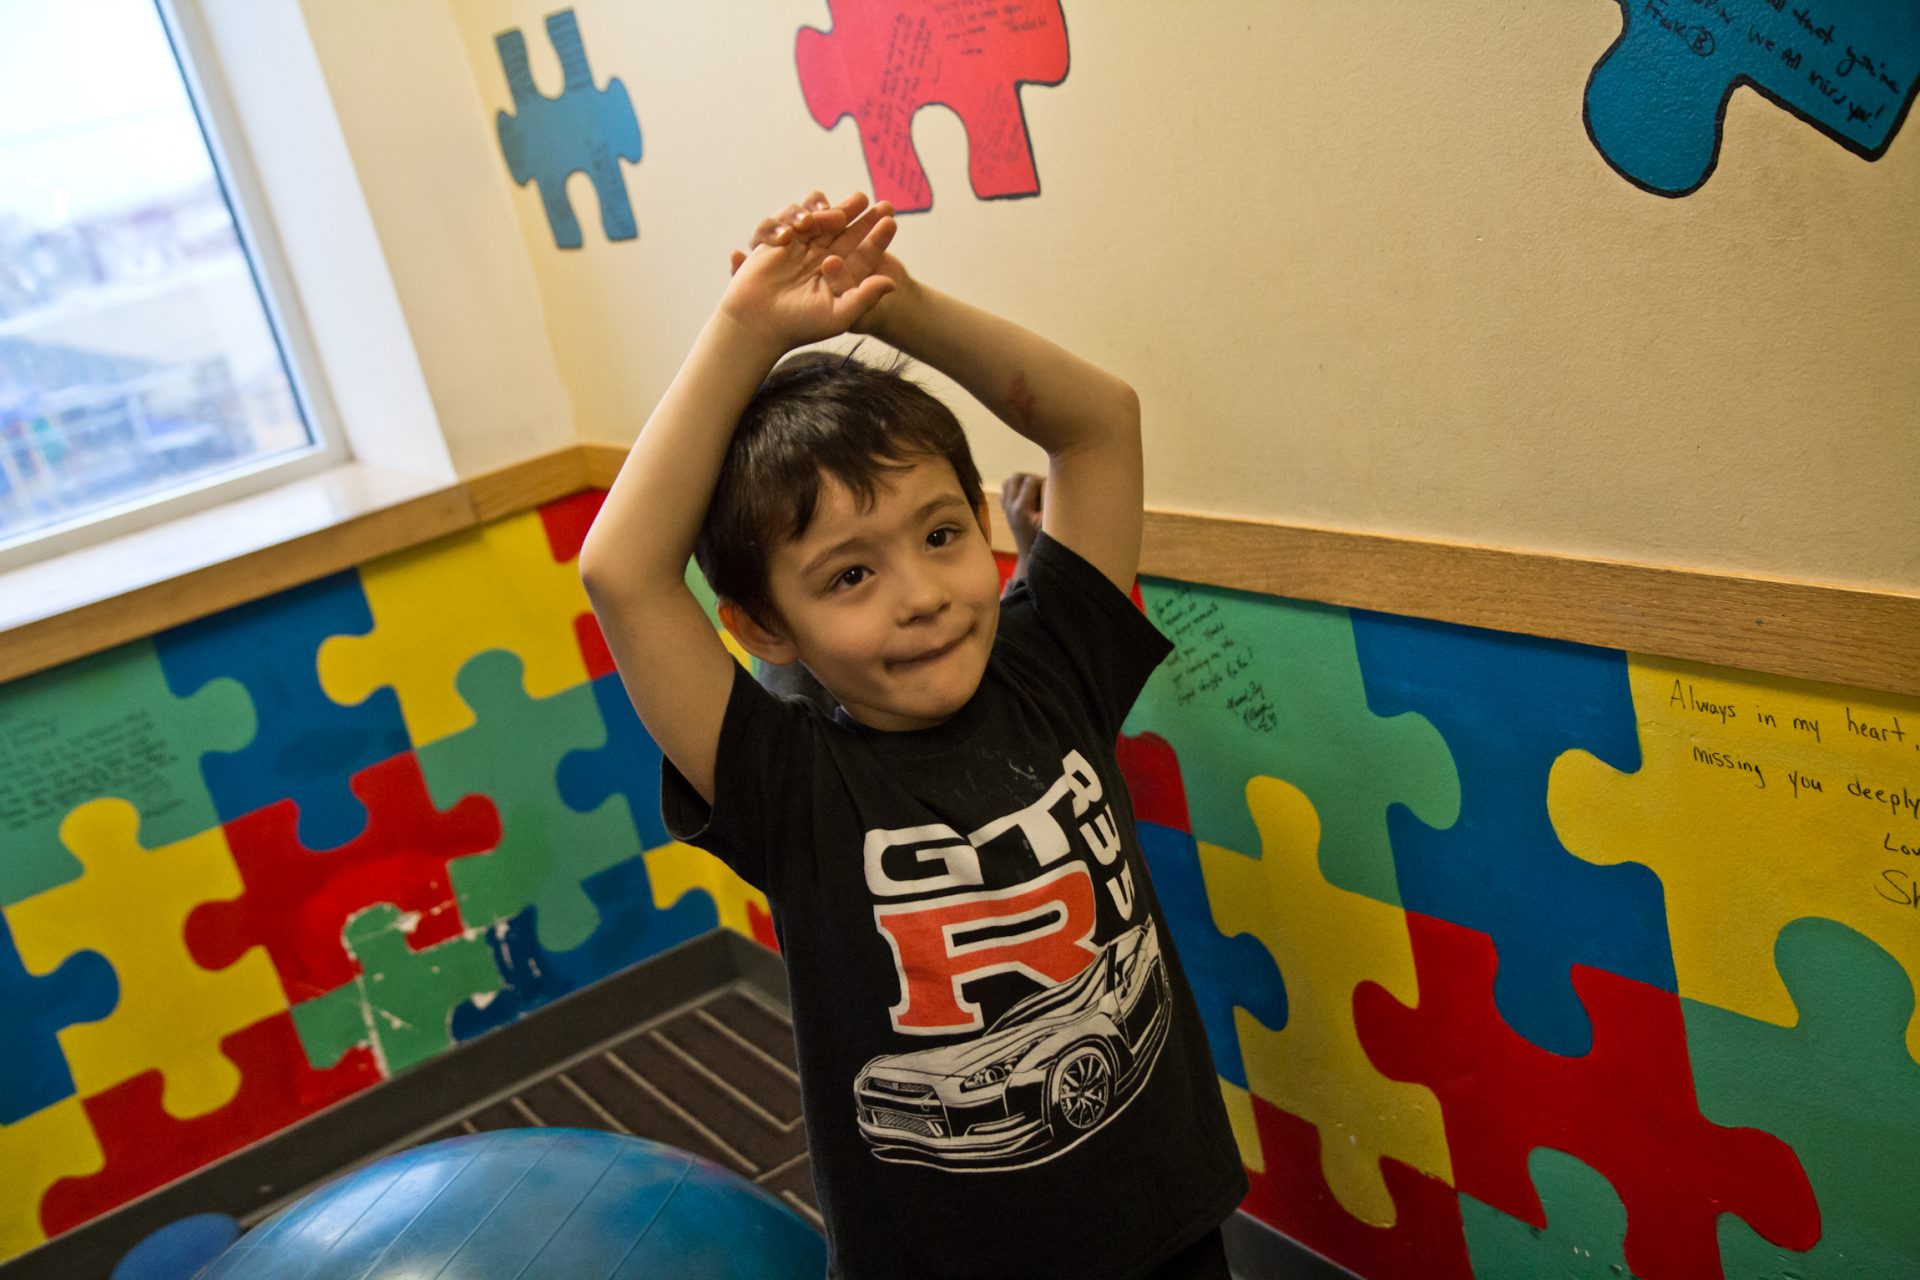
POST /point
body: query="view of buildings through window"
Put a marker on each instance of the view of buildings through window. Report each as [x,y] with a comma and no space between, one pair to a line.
[136,356]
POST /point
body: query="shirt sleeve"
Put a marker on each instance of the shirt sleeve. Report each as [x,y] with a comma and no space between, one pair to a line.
[762,783]
[1068,607]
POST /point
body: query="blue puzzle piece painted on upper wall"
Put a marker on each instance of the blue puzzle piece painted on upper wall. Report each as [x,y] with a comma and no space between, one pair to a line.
[1657,100]
[308,746]
[583,130]
[1223,971]
[33,1009]
[1508,706]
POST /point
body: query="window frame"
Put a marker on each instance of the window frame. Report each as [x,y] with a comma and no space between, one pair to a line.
[196,57]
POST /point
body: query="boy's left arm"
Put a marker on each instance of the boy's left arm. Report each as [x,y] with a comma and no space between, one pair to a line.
[1086,419]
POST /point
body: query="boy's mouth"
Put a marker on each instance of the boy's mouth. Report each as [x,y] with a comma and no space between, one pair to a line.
[928,657]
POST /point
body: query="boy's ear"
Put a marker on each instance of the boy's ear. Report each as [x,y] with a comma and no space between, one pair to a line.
[762,642]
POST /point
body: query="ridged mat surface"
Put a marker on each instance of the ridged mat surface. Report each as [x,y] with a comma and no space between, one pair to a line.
[716,1078]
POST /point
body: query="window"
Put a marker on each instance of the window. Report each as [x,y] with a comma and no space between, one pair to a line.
[144,371]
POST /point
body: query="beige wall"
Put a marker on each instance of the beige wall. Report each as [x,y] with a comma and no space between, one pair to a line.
[1362,261]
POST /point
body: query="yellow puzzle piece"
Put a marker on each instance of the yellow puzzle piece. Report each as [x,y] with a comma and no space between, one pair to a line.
[53,1143]
[1759,800]
[435,606]
[675,868]
[1326,941]
[131,905]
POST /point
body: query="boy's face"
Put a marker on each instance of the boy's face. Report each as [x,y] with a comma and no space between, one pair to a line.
[893,609]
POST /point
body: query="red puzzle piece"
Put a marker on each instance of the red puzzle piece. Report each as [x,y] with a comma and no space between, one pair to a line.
[147,1147]
[566,523]
[885,59]
[1153,779]
[1426,1241]
[297,901]
[762,925]
[1627,1107]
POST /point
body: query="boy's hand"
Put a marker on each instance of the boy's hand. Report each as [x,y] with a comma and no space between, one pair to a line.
[813,280]
[814,221]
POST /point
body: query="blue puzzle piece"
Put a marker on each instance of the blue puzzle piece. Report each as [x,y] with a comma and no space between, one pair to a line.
[583,130]
[1657,99]
[308,746]
[1223,972]
[631,929]
[33,1069]
[628,765]
[1508,706]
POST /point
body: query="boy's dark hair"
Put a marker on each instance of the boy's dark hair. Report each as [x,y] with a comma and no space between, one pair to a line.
[818,412]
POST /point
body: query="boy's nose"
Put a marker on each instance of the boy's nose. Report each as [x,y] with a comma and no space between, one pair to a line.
[921,595]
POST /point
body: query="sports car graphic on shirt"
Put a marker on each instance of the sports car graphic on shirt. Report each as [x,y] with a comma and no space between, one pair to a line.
[1048,1072]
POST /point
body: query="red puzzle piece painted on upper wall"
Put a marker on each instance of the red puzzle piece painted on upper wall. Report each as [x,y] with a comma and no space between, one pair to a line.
[297,901]
[146,1146]
[1627,1107]
[885,59]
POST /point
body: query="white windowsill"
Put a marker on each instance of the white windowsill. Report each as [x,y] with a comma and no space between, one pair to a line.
[235,530]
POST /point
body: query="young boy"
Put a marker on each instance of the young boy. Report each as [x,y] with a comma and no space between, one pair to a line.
[1002,1067]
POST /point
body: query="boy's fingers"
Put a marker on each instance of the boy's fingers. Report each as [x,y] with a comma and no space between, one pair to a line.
[738,260]
[816,201]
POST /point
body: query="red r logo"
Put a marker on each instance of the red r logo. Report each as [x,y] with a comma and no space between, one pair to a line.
[1043,928]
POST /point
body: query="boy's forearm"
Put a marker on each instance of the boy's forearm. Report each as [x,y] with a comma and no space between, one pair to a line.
[647,526]
[1040,389]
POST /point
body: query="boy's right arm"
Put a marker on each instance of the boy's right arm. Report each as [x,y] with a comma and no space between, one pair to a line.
[634,560]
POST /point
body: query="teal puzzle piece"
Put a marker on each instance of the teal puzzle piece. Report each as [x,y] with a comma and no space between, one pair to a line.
[584,130]
[1657,100]
[106,725]
[1840,1087]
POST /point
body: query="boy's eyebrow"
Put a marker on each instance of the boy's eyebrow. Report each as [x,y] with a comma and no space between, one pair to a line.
[860,539]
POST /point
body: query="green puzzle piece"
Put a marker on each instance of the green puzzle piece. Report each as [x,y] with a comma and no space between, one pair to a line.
[1584,1237]
[512,756]
[106,725]
[403,1000]
[1258,687]
[1840,1088]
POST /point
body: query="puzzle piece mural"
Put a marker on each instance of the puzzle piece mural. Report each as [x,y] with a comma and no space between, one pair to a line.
[584,130]
[1625,1107]
[308,745]
[1327,941]
[34,1008]
[1508,706]
[1840,1086]
[512,755]
[1258,687]
[631,929]
[1425,1241]
[172,1014]
[105,725]
[1581,1241]
[37,1152]
[566,523]
[146,1146]
[403,1000]
[298,899]
[435,607]
[1225,971]
[1657,99]
[885,59]
[1760,800]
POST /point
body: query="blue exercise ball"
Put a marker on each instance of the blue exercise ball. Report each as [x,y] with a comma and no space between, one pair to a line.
[572,1203]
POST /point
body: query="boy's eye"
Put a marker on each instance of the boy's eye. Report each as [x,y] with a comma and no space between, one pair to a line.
[850,577]
[940,537]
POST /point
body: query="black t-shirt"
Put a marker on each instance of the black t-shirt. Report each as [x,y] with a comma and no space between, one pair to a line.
[1002,1068]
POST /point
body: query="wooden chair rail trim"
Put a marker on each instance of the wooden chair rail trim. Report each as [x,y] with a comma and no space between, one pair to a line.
[1838,635]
